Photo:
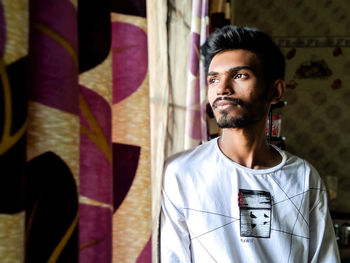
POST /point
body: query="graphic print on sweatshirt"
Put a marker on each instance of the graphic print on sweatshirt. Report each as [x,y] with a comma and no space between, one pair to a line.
[255,213]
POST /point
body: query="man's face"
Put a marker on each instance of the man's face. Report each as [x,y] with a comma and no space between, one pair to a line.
[236,89]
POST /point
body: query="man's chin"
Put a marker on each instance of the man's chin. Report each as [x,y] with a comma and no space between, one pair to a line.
[227,123]
[225,120]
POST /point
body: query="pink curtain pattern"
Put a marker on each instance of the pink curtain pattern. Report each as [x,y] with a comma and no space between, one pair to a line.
[130,136]
[53,133]
[196,124]
[96,196]
[74,132]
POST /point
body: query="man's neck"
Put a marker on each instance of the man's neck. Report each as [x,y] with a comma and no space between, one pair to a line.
[248,147]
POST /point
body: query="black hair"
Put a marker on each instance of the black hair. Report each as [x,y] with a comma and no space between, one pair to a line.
[233,37]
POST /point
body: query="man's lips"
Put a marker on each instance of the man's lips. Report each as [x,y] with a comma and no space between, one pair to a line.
[224,106]
[226,102]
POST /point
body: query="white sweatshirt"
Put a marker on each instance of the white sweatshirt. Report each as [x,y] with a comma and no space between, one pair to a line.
[215,210]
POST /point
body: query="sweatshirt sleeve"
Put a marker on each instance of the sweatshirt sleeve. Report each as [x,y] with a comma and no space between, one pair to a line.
[323,245]
[174,235]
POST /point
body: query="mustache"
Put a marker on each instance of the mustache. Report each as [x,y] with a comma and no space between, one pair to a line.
[233,100]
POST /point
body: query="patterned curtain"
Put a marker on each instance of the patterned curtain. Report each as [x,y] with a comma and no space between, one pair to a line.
[74,132]
[131,133]
[196,120]
[13,124]
[52,175]
[75,125]
[96,204]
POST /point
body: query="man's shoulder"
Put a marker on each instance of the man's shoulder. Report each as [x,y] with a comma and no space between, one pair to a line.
[192,156]
[293,159]
[299,165]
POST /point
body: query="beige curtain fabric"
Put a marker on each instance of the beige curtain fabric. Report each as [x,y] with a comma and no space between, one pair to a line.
[13,47]
[158,88]
[179,36]
[196,123]
[169,25]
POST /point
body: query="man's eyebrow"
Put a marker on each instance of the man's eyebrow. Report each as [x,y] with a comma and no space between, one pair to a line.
[240,68]
[213,73]
[231,70]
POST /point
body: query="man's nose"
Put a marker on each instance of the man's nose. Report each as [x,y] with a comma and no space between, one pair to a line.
[225,88]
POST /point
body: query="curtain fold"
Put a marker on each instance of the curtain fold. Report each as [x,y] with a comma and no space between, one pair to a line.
[131,133]
[196,120]
[96,204]
[159,95]
[52,175]
[13,123]
[175,124]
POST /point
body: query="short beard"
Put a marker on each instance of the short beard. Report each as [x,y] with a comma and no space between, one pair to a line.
[227,121]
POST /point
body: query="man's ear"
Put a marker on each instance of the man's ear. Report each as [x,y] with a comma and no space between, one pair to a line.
[278,90]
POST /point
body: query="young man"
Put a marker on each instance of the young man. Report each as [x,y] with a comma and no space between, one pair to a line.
[236,198]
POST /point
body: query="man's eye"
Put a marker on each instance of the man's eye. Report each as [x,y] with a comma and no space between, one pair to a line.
[240,76]
[213,80]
